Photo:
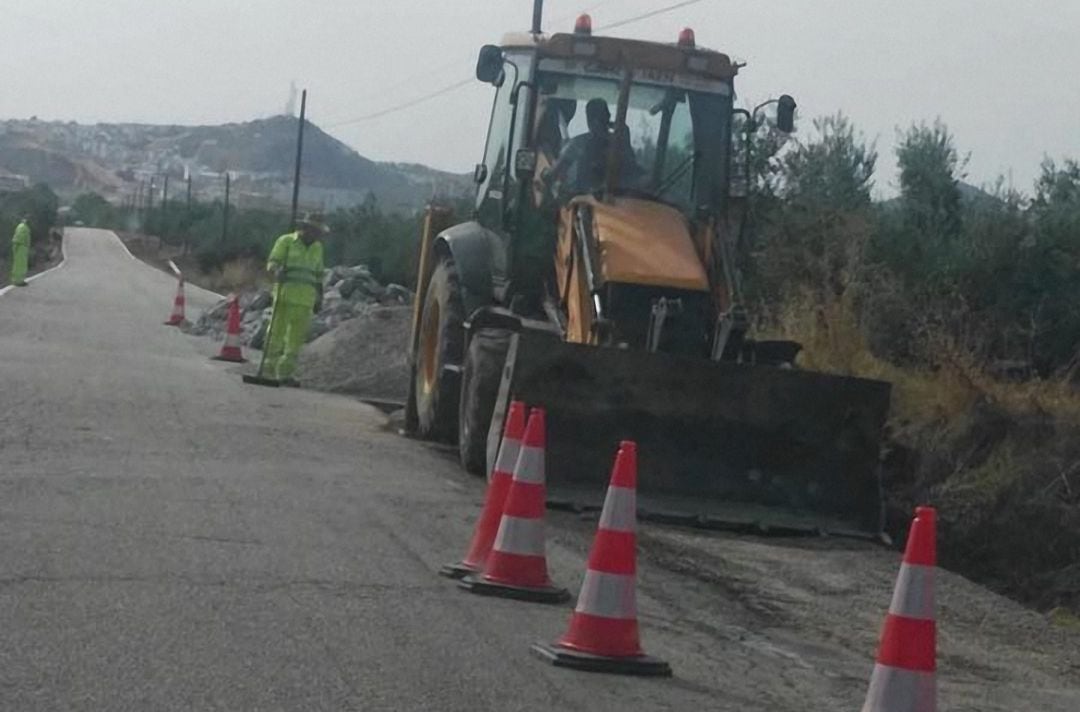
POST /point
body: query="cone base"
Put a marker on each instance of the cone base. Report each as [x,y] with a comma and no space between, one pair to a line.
[458,571]
[544,594]
[229,358]
[262,381]
[642,665]
[175,322]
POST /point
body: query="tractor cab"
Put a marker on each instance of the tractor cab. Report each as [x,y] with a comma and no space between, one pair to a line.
[653,135]
[616,152]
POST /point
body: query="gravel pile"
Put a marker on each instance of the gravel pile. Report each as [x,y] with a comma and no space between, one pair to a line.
[348,293]
[366,355]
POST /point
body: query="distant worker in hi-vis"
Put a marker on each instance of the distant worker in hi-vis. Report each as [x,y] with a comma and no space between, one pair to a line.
[296,261]
[20,252]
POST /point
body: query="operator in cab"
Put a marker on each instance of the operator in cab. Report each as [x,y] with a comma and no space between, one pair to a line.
[582,165]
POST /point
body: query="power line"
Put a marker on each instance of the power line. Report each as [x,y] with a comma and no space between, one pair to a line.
[411,79]
[406,105]
[457,85]
[647,15]
[464,63]
[591,9]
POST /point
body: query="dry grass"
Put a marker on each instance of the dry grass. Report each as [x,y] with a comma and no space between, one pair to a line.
[835,342]
[235,276]
[999,459]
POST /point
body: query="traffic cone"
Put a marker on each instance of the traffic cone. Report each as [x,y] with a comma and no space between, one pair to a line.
[177,317]
[231,350]
[904,677]
[487,526]
[517,564]
[603,632]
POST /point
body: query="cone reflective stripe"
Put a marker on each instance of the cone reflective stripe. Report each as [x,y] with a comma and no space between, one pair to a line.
[510,447]
[607,596]
[620,509]
[603,632]
[231,350]
[487,526]
[517,564]
[177,316]
[904,677]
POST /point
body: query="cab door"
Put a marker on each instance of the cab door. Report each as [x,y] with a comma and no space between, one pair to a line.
[496,177]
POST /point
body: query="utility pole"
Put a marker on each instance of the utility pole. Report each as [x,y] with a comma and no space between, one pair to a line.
[299,160]
[186,238]
[165,207]
[225,215]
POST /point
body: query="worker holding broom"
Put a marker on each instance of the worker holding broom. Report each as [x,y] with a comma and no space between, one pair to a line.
[296,262]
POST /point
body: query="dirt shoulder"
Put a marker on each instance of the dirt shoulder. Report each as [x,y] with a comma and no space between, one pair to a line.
[234,277]
[795,622]
[781,624]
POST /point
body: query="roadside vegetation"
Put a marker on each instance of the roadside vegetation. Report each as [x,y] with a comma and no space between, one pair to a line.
[966,300]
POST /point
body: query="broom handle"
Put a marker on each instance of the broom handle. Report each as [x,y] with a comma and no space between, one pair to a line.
[273,315]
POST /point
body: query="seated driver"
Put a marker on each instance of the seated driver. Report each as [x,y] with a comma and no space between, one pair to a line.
[582,165]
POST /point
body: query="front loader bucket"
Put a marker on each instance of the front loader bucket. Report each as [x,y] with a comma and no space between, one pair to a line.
[719,444]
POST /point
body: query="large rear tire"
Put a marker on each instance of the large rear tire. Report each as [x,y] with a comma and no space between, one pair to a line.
[436,380]
[480,379]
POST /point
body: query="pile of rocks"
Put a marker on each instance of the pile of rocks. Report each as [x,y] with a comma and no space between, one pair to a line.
[348,292]
[366,356]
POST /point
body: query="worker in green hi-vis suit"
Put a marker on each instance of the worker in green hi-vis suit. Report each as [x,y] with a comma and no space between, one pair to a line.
[296,261]
[20,253]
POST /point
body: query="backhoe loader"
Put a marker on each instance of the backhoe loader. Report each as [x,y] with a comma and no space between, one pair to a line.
[596,278]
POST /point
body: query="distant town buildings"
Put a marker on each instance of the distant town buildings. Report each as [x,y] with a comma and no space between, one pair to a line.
[120,160]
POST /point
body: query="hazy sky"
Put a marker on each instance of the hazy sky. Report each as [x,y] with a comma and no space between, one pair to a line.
[1002,74]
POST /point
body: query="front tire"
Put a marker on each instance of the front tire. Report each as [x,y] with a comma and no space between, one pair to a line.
[436,382]
[480,379]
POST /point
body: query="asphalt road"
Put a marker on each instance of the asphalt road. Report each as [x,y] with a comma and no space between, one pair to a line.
[171,539]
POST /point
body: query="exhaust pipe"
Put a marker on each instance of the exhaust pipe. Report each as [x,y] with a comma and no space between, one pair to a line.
[538,16]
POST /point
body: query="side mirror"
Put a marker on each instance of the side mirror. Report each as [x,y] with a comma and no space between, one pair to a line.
[489,65]
[785,113]
[480,173]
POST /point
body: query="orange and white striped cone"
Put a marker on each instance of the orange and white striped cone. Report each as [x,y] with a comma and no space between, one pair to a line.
[487,526]
[905,674]
[603,633]
[517,564]
[231,350]
[177,318]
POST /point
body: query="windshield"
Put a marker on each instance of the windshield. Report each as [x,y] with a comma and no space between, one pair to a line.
[674,149]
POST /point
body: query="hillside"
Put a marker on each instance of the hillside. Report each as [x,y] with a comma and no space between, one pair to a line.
[113,159]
